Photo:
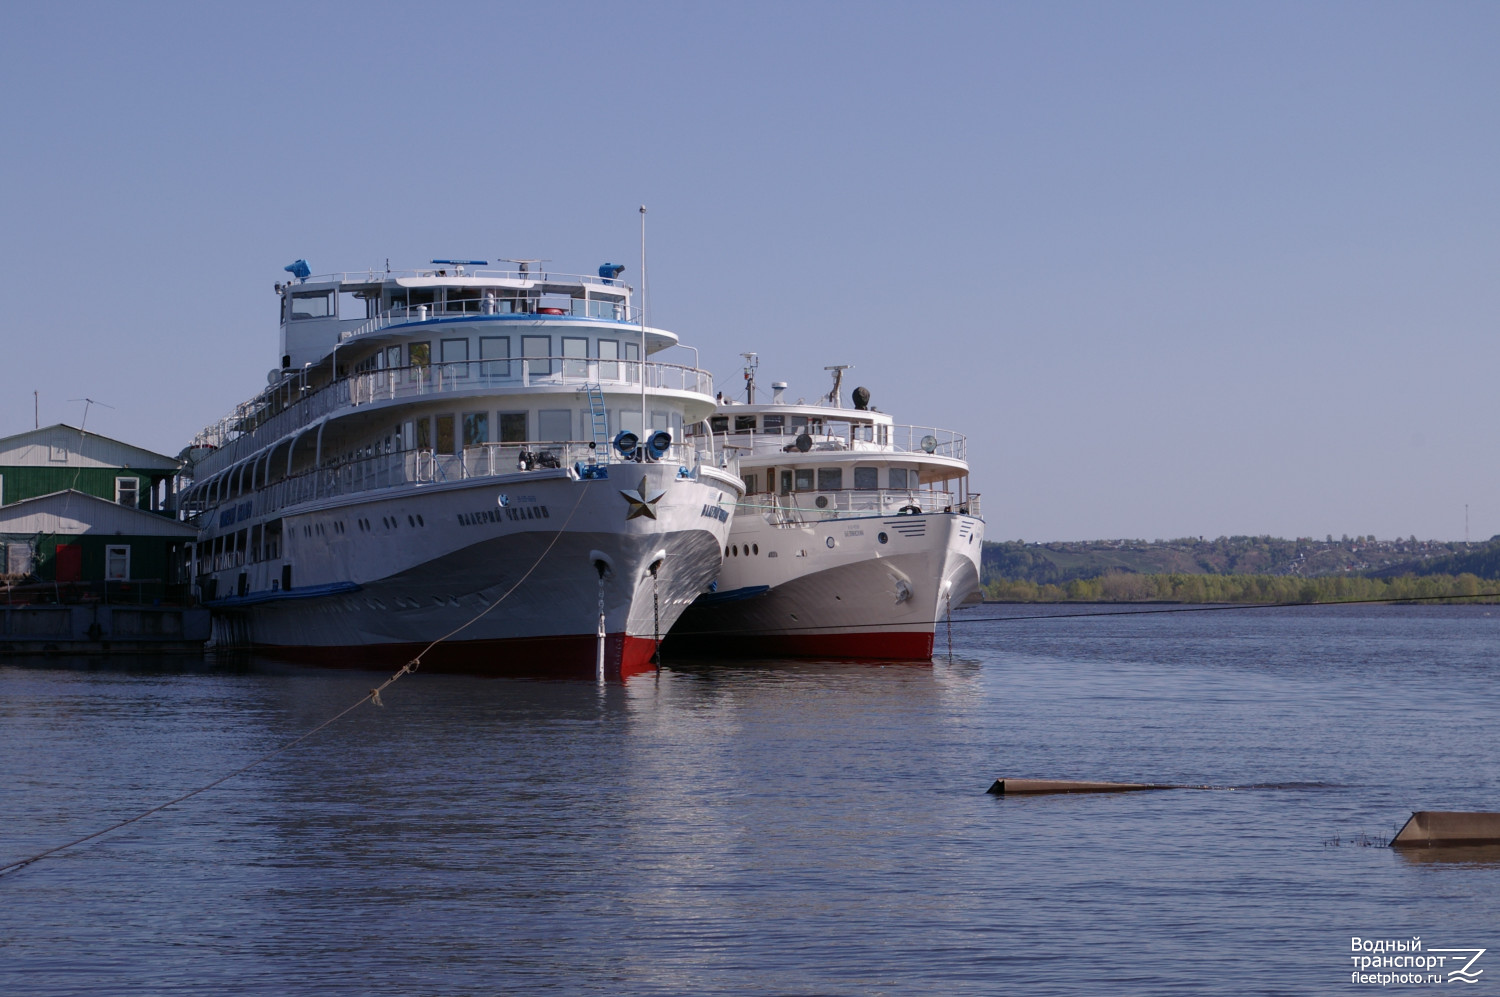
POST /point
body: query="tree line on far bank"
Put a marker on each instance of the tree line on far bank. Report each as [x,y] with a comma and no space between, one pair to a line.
[1199,588]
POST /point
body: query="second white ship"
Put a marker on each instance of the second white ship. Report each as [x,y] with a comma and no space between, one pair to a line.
[855,537]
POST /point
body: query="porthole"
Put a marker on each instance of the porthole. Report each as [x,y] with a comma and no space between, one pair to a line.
[410,521]
[757,548]
[726,550]
[419,520]
[830,542]
[882,537]
[735,550]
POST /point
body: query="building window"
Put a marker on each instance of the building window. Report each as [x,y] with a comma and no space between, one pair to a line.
[128,491]
[867,478]
[117,564]
[58,451]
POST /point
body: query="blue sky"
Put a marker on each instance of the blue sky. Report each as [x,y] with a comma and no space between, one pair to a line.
[1175,268]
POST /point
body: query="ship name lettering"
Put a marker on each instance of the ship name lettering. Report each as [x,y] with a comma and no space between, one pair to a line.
[714,512]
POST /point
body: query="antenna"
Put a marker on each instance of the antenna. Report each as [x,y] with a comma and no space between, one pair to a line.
[524,266]
[838,382]
[643,321]
[86,403]
[751,362]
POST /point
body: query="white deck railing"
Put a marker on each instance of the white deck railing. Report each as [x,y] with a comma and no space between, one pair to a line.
[835,436]
[426,467]
[259,424]
[796,508]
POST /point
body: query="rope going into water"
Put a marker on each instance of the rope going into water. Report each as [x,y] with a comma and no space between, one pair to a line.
[373,696]
[1215,608]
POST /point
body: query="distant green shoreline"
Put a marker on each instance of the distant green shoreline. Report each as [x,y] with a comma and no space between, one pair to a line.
[1198,589]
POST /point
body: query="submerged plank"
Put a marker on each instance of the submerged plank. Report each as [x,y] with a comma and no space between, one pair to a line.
[1011,787]
[1448,827]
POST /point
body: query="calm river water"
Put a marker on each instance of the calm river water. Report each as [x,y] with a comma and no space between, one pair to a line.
[767,828]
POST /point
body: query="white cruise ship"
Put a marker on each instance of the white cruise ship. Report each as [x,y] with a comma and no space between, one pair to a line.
[439,440]
[855,536]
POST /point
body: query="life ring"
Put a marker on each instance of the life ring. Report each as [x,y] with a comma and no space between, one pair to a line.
[550,311]
[909,510]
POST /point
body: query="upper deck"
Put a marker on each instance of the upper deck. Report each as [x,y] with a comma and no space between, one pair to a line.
[322,314]
[390,338]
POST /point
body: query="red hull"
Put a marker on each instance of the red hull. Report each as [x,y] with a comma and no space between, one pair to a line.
[566,656]
[902,645]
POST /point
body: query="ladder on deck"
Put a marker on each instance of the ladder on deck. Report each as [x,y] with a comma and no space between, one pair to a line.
[599,419]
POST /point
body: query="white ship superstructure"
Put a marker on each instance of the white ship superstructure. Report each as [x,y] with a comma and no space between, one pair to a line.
[439,440]
[855,535]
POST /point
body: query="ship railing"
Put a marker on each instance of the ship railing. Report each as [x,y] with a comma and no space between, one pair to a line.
[532,277]
[859,437]
[481,307]
[797,508]
[253,427]
[426,466]
[491,376]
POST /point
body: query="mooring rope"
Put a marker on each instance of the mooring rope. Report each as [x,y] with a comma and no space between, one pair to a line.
[373,696]
[1215,608]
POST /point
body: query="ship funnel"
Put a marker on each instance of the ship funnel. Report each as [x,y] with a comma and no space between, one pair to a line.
[778,389]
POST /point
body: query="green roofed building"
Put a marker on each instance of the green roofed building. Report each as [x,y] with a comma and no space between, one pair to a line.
[91,555]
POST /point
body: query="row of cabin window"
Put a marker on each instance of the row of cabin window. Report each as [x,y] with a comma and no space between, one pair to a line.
[831,479]
[320,304]
[494,357]
[442,433]
[777,424]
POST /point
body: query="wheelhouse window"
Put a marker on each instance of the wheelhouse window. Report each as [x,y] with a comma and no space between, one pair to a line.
[494,356]
[456,357]
[538,351]
[128,491]
[744,424]
[750,488]
[867,478]
[899,478]
[830,479]
[773,424]
[718,423]
[804,479]
[312,304]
